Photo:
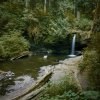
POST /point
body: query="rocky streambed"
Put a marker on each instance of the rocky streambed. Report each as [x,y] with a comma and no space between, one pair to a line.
[68,66]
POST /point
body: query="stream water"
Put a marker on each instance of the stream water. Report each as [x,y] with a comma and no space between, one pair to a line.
[30,65]
[26,69]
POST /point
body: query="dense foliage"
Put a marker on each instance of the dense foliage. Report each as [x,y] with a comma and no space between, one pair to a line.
[66,89]
[12,45]
[46,24]
[70,95]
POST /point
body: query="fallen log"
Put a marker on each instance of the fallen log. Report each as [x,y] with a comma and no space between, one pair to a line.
[32,94]
[22,55]
[39,83]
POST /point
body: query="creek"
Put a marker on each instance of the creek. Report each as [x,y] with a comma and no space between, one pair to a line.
[26,70]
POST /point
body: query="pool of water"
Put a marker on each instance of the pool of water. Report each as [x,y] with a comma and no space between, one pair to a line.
[30,65]
[26,70]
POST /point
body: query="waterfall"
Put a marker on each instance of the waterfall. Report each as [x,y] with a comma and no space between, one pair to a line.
[73,47]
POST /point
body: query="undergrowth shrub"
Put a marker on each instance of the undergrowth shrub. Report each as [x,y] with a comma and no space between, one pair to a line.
[60,86]
[70,95]
[13,45]
[83,24]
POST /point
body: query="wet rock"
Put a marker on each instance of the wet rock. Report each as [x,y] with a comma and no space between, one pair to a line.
[20,82]
[44,70]
[6,75]
[6,79]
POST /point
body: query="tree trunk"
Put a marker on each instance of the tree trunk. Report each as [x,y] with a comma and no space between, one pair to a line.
[96,24]
[45,6]
[78,15]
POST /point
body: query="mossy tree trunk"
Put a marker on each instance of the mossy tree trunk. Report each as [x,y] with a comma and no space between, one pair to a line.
[94,64]
[96,29]
[96,25]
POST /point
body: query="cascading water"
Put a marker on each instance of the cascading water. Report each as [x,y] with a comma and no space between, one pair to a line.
[73,47]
